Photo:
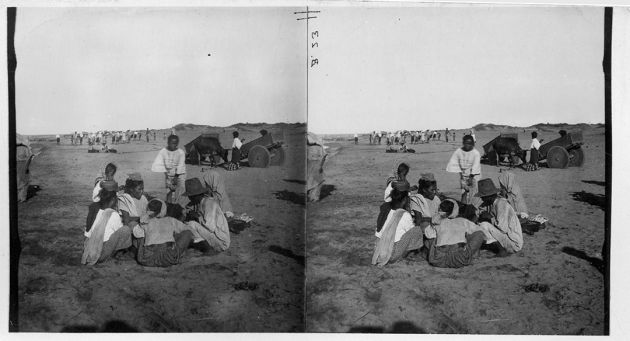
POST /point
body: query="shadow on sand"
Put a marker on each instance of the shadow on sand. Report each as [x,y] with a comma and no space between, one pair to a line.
[596,262]
[295,198]
[598,183]
[300,182]
[113,326]
[32,191]
[400,327]
[598,200]
[326,191]
[287,253]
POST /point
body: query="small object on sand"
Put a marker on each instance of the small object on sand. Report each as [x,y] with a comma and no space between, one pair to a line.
[536,287]
[249,286]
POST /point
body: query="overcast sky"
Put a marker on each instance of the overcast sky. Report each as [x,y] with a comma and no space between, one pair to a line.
[118,69]
[434,67]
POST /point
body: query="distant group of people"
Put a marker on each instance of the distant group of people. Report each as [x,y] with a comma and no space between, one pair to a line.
[449,232]
[95,138]
[415,137]
[156,232]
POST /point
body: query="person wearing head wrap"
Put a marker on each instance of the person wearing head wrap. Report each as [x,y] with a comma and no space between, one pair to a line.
[533,153]
[23,157]
[397,234]
[456,239]
[512,192]
[104,230]
[315,159]
[467,162]
[398,173]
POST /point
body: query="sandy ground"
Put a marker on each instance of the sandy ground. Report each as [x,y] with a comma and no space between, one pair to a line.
[58,293]
[346,293]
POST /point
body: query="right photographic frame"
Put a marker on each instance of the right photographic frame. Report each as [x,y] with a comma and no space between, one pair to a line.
[459,168]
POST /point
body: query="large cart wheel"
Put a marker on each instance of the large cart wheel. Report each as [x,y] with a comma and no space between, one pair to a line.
[577,157]
[558,157]
[277,156]
[259,157]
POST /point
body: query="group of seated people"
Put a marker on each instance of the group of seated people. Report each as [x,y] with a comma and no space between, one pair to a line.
[154,232]
[446,232]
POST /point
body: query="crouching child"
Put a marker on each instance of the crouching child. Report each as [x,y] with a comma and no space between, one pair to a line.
[162,240]
[456,241]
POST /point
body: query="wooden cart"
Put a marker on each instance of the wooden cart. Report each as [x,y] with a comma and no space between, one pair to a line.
[264,151]
[564,152]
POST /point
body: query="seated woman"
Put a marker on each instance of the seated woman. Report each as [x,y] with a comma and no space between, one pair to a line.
[105,232]
[206,218]
[456,240]
[133,203]
[162,240]
[110,172]
[398,234]
[426,203]
[212,180]
[511,191]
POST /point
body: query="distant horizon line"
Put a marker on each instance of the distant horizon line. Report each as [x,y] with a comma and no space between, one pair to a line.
[456,129]
[144,129]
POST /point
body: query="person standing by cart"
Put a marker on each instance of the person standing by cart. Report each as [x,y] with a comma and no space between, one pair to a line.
[236,153]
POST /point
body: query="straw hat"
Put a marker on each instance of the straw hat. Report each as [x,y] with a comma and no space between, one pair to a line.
[486,188]
[194,187]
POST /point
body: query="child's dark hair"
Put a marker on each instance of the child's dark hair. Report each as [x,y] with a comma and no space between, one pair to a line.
[398,196]
[154,206]
[403,167]
[424,184]
[447,206]
[173,137]
[106,197]
[235,133]
[468,137]
[534,134]
[110,169]
[131,184]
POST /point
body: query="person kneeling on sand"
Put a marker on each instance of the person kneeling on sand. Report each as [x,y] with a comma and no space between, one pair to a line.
[499,220]
[397,234]
[104,232]
[454,241]
[206,217]
[162,240]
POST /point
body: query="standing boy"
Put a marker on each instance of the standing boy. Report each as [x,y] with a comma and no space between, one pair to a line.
[467,162]
[171,161]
